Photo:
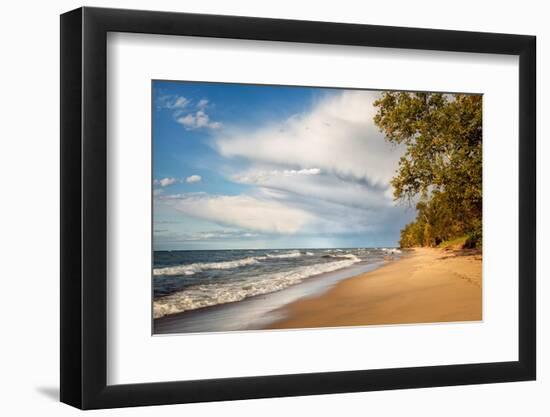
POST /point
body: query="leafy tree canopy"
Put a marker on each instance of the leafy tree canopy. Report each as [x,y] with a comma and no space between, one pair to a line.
[442,164]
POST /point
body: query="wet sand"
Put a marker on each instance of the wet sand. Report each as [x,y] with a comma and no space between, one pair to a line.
[427,286]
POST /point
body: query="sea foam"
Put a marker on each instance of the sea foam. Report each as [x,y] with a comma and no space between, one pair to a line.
[199,296]
[194,268]
[191,269]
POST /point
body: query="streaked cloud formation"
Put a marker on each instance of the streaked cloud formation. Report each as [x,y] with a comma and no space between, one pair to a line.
[318,175]
[258,177]
[337,136]
[244,211]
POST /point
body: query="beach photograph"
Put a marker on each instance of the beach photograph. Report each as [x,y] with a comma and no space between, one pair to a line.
[291,207]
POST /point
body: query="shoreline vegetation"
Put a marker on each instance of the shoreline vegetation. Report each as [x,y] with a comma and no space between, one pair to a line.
[441,170]
[428,285]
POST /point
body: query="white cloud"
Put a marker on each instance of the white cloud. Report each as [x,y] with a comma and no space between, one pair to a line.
[261,176]
[202,103]
[323,172]
[172,102]
[247,212]
[193,178]
[164,182]
[336,136]
[305,171]
[344,191]
[188,117]
[337,207]
[188,120]
[330,162]
[198,120]
[334,210]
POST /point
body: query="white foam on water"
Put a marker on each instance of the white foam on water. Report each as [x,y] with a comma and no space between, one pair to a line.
[199,296]
[293,254]
[191,269]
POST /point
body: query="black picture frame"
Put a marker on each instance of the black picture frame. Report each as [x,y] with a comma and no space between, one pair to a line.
[84,207]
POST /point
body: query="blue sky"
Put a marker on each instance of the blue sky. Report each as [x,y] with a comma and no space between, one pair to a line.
[251,166]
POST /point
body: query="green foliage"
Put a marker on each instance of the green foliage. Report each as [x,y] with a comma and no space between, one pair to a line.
[442,164]
[457,242]
[474,239]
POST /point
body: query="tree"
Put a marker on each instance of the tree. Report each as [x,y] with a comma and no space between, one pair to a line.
[442,163]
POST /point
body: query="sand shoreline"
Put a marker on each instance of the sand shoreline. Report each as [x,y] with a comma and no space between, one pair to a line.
[423,286]
[427,286]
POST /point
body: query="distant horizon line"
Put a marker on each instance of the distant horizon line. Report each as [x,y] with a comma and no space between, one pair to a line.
[295,248]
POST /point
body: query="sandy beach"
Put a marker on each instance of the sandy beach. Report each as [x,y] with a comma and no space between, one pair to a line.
[428,285]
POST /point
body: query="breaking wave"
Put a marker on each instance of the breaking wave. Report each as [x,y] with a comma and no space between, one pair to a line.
[194,268]
[191,269]
[199,296]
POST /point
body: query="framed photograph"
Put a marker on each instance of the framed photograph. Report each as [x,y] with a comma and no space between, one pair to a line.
[259,208]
